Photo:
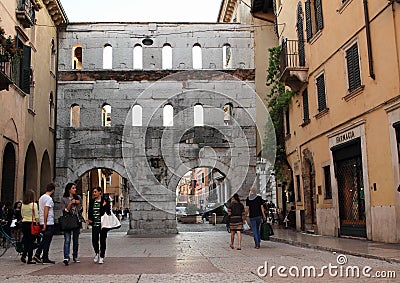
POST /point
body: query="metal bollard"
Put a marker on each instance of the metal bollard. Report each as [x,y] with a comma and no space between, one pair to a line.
[214,216]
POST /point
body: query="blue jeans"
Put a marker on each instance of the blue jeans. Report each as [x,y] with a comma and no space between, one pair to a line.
[44,245]
[75,243]
[255,223]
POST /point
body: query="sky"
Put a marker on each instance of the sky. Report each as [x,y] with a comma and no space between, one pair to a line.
[141,10]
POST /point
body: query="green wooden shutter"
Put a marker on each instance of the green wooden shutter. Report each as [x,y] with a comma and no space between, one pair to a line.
[306,112]
[353,68]
[318,13]
[26,70]
[308,20]
[300,35]
[321,92]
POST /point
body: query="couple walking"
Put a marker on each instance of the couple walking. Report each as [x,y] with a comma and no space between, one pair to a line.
[238,214]
[98,205]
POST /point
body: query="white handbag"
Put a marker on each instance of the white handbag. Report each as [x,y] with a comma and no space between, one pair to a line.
[110,221]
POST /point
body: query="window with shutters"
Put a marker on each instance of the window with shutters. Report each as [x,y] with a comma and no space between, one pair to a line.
[306,112]
[321,94]
[314,18]
[353,68]
[22,68]
[300,35]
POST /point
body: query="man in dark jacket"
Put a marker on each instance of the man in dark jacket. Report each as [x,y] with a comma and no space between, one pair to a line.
[97,207]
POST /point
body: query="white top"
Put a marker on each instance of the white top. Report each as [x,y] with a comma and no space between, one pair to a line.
[46,200]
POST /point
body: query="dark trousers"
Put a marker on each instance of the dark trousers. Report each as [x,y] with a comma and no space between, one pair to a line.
[28,240]
[98,233]
[45,243]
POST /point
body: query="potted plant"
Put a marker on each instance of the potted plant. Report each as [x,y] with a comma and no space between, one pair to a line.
[192,214]
[7,47]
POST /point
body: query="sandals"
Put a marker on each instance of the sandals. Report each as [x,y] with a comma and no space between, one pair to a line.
[232,247]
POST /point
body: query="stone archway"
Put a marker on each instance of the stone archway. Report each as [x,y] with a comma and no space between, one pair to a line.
[31,170]
[45,172]
[8,174]
[310,197]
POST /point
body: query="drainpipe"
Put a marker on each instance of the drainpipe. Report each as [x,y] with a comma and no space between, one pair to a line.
[369,46]
[396,39]
[55,108]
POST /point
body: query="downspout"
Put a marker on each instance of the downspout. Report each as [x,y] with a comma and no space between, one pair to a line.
[55,110]
[396,40]
[369,46]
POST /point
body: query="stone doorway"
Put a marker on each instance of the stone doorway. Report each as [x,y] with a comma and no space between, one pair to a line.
[8,174]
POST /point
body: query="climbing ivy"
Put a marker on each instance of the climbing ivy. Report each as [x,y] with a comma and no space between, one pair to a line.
[279,99]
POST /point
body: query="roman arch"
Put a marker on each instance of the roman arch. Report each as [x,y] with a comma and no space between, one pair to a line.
[133,137]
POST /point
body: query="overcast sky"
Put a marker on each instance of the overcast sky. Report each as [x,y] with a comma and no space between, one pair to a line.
[141,10]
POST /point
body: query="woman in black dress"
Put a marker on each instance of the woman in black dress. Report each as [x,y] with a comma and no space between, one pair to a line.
[237,216]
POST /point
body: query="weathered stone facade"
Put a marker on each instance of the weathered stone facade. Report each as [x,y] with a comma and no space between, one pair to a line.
[154,157]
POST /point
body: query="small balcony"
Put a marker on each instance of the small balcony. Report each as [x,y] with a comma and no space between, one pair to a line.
[25,13]
[5,71]
[294,72]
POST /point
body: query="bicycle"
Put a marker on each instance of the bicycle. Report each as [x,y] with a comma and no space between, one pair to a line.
[6,241]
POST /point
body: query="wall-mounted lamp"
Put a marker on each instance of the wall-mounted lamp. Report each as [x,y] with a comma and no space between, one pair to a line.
[147,41]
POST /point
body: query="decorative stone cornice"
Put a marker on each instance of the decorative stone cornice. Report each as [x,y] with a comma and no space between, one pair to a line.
[228,10]
[56,11]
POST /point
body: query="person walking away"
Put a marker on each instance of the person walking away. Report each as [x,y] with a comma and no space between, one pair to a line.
[29,212]
[256,213]
[98,205]
[237,216]
[46,217]
[71,203]
[17,218]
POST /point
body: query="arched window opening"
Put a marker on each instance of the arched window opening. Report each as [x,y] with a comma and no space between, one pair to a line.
[75,115]
[51,110]
[198,114]
[137,115]
[107,57]
[77,57]
[226,56]
[168,116]
[196,56]
[53,56]
[167,57]
[106,115]
[138,57]
[228,113]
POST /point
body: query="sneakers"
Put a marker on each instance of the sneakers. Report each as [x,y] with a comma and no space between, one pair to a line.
[76,260]
[66,261]
[101,260]
[96,258]
[45,261]
[37,259]
[31,262]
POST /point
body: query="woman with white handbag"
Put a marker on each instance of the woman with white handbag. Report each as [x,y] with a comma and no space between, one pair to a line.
[98,206]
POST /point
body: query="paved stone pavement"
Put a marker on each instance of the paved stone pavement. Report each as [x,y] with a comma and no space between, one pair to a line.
[190,256]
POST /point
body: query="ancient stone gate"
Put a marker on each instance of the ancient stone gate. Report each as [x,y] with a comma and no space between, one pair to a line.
[213,106]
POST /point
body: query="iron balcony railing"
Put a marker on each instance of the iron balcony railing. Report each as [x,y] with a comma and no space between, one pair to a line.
[26,13]
[292,54]
[6,70]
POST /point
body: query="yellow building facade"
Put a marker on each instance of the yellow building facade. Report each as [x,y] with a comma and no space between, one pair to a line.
[342,60]
[27,95]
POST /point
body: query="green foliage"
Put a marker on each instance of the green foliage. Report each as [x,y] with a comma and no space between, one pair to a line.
[191,209]
[279,99]
[8,51]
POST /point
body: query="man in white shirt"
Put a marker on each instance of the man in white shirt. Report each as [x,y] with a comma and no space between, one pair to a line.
[46,217]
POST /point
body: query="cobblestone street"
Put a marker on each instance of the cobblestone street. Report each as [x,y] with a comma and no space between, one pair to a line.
[186,257]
